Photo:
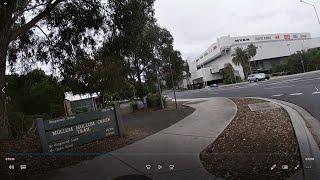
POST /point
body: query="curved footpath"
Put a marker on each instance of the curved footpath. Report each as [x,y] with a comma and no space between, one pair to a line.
[178,145]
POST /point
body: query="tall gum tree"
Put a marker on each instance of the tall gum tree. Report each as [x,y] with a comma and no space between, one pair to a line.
[68,28]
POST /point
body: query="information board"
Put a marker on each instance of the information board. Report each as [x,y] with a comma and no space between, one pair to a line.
[63,133]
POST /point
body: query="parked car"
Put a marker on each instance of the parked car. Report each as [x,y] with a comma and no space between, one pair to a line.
[262,76]
[268,76]
[256,77]
[214,85]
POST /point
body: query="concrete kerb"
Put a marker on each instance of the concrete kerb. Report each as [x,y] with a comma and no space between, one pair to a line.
[303,123]
[309,149]
[312,123]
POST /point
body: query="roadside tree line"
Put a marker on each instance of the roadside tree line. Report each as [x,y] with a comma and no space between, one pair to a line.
[301,61]
[112,47]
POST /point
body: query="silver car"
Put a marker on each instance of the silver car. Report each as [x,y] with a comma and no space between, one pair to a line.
[256,77]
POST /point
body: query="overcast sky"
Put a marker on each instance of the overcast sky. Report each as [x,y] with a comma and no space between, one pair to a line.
[196,24]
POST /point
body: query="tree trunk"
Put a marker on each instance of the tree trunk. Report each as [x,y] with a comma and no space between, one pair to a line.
[4,125]
[5,24]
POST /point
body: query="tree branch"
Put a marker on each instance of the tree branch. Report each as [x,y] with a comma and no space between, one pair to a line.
[35,6]
[21,30]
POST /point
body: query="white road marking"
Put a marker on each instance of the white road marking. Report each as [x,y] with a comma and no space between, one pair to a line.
[296,94]
[277,95]
[289,81]
[317,92]
[279,87]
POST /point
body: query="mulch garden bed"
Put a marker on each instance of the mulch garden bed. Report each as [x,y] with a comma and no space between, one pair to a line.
[28,149]
[253,143]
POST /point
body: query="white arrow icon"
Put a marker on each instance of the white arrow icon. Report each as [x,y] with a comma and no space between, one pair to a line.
[3,90]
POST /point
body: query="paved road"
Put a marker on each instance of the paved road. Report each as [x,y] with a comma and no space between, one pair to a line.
[302,90]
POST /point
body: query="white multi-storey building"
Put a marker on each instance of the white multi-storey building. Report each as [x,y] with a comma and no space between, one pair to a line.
[271,49]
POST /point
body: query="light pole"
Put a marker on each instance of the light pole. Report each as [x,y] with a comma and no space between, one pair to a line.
[289,49]
[314,7]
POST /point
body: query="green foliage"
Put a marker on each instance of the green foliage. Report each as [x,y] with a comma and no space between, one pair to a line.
[50,31]
[228,75]
[65,35]
[144,46]
[252,50]
[134,106]
[240,57]
[154,100]
[62,33]
[294,64]
[279,68]
[32,96]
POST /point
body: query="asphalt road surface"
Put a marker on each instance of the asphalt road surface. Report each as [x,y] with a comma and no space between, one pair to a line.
[302,90]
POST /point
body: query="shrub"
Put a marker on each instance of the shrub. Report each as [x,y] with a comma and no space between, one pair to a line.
[134,106]
[154,100]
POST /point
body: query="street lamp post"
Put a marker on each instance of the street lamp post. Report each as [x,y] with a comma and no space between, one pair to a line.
[289,49]
[314,7]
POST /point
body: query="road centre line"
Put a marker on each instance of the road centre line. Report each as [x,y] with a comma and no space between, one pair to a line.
[288,81]
[277,95]
[296,94]
[279,87]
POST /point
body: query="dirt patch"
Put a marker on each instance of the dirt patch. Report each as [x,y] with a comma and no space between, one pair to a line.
[27,151]
[252,144]
[155,121]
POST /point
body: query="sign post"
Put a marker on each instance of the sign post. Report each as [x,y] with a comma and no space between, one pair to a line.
[60,134]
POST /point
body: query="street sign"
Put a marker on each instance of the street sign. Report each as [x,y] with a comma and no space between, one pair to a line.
[63,133]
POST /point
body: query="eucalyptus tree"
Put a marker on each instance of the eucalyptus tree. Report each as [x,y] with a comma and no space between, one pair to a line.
[131,38]
[47,31]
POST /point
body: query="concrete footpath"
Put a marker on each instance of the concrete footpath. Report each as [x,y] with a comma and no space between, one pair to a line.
[177,147]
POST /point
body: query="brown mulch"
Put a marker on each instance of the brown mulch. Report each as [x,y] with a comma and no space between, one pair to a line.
[28,151]
[252,143]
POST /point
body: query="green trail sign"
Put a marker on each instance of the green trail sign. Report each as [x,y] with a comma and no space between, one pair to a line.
[60,134]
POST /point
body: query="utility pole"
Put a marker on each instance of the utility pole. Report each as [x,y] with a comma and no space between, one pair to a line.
[174,89]
[314,7]
[159,88]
